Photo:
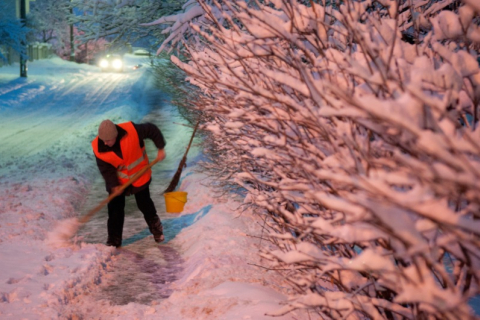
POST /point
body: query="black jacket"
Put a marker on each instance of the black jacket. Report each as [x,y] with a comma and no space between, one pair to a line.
[109,172]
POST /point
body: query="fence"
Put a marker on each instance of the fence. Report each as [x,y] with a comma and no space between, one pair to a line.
[35,51]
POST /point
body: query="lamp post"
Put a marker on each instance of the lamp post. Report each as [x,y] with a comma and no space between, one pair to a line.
[23,60]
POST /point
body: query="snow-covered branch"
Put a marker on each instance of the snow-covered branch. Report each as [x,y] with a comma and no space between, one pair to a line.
[359,144]
[12,33]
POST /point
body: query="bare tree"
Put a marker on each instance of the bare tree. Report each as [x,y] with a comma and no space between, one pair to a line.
[120,21]
[48,20]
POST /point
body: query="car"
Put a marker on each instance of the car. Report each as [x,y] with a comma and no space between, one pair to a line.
[111,62]
[141,52]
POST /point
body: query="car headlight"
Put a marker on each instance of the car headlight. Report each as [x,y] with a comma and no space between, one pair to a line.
[117,63]
[103,63]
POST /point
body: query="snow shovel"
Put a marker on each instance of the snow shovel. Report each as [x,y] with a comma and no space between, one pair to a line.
[135,177]
[66,230]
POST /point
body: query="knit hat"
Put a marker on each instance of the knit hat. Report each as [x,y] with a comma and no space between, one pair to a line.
[107,130]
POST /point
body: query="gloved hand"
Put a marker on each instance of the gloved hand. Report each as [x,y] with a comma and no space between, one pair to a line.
[126,192]
[161,155]
[116,190]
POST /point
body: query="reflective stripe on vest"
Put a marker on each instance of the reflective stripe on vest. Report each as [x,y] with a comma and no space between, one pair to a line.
[131,166]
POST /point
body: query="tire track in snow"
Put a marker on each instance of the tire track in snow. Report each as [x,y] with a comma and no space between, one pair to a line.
[15,85]
[25,133]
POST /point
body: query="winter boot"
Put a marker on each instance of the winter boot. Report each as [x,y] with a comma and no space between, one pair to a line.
[156,228]
[114,242]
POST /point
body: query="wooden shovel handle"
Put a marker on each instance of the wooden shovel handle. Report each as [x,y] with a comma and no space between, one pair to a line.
[119,191]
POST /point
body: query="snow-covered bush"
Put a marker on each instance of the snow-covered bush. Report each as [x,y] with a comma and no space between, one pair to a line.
[85,52]
[120,22]
[353,126]
[48,20]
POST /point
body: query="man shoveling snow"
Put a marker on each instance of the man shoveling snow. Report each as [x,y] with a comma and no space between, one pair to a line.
[120,154]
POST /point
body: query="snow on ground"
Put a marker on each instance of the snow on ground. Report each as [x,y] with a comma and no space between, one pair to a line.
[46,171]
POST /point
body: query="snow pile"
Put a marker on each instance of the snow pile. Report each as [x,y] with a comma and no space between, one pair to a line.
[37,278]
[222,277]
[219,281]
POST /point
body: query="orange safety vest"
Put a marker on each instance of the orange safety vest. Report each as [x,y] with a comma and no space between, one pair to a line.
[134,157]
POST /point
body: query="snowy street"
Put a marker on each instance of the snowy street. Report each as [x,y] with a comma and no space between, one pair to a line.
[207,267]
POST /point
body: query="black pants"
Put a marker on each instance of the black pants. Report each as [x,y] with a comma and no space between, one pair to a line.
[116,214]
